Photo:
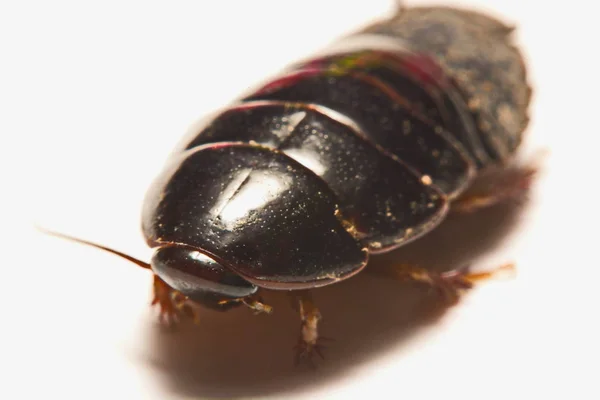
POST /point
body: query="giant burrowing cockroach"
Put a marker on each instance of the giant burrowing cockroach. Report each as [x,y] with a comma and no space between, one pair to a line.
[355,151]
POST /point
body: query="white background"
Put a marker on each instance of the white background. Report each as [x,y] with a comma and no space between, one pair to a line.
[93,96]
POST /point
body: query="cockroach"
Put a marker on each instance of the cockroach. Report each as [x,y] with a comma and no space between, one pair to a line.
[358,150]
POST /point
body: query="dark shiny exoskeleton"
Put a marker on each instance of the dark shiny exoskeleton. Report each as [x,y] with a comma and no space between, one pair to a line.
[358,150]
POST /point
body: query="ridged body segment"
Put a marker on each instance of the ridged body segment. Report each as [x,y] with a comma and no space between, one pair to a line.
[384,116]
[477,52]
[417,79]
[360,148]
[255,211]
[386,203]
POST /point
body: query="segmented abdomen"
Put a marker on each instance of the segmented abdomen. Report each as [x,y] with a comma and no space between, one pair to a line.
[478,54]
[389,129]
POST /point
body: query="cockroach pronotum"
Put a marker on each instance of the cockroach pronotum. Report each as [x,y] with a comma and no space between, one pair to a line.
[356,151]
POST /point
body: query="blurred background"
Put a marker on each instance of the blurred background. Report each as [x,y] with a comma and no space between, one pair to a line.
[94,95]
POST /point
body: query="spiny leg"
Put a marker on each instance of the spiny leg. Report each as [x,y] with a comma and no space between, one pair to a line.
[309,341]
[449,284]
[172,304]
[254,302]
[495,187]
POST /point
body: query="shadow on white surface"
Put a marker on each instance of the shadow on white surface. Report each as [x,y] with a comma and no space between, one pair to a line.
[240,354]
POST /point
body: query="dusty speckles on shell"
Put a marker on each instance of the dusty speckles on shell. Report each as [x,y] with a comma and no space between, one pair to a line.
[477,52]
[340,156]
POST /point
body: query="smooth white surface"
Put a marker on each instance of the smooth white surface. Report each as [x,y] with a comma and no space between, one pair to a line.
[93,98]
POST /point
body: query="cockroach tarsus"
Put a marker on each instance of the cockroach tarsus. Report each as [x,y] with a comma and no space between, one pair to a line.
[359,150]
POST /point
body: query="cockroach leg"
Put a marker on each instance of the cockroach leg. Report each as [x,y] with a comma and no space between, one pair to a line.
[510,184]
[449,284]
[163,299]
[182,304]
[256,304]
[309,341]
[172,304]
